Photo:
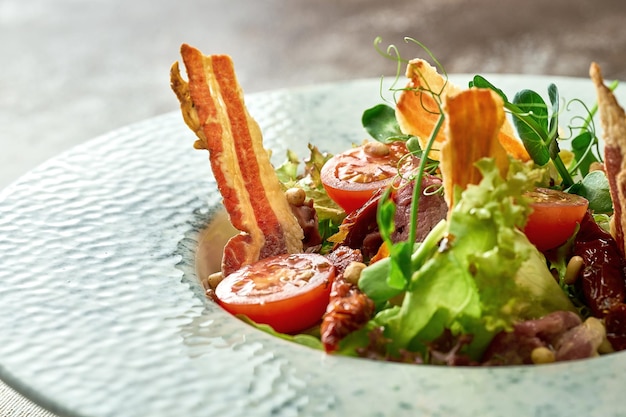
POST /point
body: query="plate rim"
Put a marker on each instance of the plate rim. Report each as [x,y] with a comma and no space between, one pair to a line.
[49,403]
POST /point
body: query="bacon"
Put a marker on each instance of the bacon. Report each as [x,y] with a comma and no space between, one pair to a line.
[613,121]
[213,107]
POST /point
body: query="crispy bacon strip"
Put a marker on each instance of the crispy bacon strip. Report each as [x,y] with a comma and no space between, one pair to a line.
[213,107]
[417,110]
[613,123]
[473,121]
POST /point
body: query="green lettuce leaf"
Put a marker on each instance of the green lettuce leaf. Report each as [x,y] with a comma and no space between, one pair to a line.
[310,340]
[483,276]
[291,175]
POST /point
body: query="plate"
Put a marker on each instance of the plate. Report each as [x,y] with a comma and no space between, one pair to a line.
[102,313]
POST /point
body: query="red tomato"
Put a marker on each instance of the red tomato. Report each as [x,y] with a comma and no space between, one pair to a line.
[352,177]
[289,292]
[554,218]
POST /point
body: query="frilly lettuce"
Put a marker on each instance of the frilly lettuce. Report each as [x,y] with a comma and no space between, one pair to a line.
[476,273]
[290,174]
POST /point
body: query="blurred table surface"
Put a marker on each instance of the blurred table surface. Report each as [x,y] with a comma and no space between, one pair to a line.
[72,70]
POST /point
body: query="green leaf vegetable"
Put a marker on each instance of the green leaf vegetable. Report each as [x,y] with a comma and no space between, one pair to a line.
[484,277]
[537,129]
[595,188]
[381,124]
[537,126]
[329,214]
[309,340]
[475,273]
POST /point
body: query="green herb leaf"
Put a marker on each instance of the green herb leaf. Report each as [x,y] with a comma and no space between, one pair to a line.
[399,253]
[486,278]
[581,148]
[553,127]
[301,339]
[400,268]
[385,216]
[480,82]
[595,188]
[532,124]
[531,102]
[374,281]
[537,129]
[381,124]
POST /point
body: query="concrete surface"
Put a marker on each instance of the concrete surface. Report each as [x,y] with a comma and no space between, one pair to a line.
[71,70]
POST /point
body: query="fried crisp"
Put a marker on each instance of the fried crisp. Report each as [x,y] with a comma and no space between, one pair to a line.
[213,107]
[417,109]
[613,121]
[469,138]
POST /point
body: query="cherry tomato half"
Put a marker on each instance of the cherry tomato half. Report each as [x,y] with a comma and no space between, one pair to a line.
[554,218]
[352,177]
[289,292]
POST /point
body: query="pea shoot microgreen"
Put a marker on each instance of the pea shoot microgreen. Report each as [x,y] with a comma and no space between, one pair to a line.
[381,124]
[537,124]
[537,128]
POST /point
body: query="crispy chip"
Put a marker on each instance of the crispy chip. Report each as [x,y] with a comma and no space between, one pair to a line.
[417,109]
[470,138]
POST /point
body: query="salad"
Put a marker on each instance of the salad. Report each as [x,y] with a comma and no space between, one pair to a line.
[451,237]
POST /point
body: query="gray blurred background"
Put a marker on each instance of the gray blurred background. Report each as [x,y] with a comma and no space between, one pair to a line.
[71,70]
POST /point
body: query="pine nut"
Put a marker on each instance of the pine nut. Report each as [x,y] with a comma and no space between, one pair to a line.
[295,196]
[353,272]
[376,149]
[541,355]
[574,266]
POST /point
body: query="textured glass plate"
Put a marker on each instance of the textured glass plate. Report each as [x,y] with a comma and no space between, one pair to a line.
[101,312]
